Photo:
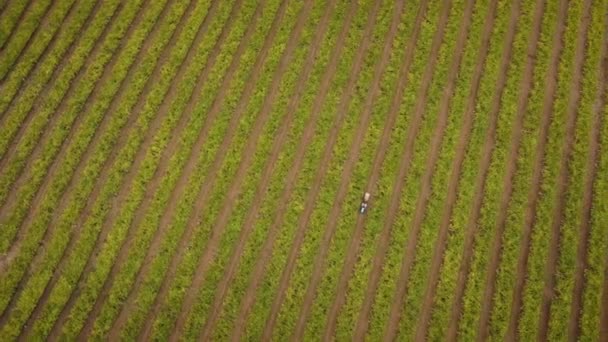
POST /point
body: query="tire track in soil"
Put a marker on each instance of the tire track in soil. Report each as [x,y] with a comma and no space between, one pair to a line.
[268,171]
[486,156]
[42,22]
[26,79]
[511,167]
[582,262]
[381,150]
[327,154]
[457,163]
[44,92]
[104,174]
[362,320]
[231,196]
[182,183]
[347,172]
[266,251]
[164,164]
[16,25]
[529,216]
[564,172]
[408,259]
[35,205]
[12,199]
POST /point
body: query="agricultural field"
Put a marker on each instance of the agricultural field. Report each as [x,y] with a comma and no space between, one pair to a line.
[196,170]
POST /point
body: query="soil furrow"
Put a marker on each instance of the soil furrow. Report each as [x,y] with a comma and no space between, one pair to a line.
[486,156]
[380,154]
[13,196]
[182,183]
[266,252]
[347,173]
[516,135]
[250,146]
[425,186]
[163,166]
[103,175]
[452,190]
[327,154]
[43,23]
[564,174]
[362,321]
[267,173]
[45,90]
[26,79]
[16,25]
[592,169]
[102,127]
[522,264]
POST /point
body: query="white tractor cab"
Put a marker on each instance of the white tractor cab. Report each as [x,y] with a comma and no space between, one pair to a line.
[363,206]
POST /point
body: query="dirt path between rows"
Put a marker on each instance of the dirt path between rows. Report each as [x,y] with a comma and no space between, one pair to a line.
[564,172]
[489,143]
[182,183]
[42,24]
[163,166]
[457,163]
[26,80]
[582,262]
[221,221]
[307,136]
[380,154]
[327,153]
[516,135]
[530,213]
[263,184]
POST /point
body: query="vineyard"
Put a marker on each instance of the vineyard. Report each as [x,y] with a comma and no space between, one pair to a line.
[196,170]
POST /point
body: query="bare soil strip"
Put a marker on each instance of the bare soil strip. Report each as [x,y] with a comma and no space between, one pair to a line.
[484,166]
[433,154]
[307,135]
[250,146]
[164,164]
[48,86]
[16,23]
[457,163]
[516,135]
[91,199]
[39,60]
[267,173]
[562,181]
[327,154]
[347,172]
[13,196]
[374,275]
[191,164]
[590,179]
[43,23]
[551,81]
[381,150]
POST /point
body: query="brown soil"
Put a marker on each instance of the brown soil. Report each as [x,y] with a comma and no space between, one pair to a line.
[279,142]
[551,81]
[327,153]
[307,135]
[190,166]
[162,169]
[563,181]
[582,262]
